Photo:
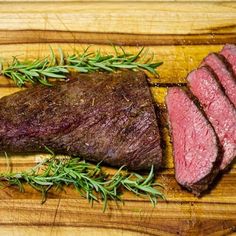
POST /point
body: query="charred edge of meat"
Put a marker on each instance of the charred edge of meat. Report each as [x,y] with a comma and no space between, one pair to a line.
[204,184]
[166,85]
[158,114]
[163,144]
[228,167]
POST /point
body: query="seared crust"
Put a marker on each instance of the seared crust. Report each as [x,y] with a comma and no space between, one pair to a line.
[100,117]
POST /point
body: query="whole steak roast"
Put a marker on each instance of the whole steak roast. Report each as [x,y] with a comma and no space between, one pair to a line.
[99,117]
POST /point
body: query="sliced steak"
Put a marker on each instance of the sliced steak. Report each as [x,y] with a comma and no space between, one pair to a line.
[226,78]
[99,117]
[219,110]
[195,146]
[229,52]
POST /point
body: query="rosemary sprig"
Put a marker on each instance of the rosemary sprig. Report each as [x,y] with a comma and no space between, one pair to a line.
[37,71]
[41,70]
[90,181]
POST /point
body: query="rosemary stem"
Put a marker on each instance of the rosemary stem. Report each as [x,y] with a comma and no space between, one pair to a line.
[52,67]
[90,181]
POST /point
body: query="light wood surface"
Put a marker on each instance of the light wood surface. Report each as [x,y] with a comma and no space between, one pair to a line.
[179,33]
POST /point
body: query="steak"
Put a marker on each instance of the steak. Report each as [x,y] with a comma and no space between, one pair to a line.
[226,78]
[195,144]
[219,110]
[99,117]
[229,52]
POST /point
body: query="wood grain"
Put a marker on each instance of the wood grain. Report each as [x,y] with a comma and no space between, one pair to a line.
[131,39]
[122,1]
[202,19]
[179,33]
[64,230]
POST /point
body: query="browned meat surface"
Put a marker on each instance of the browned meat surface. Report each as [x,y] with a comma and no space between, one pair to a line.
[101,116]
[195,145]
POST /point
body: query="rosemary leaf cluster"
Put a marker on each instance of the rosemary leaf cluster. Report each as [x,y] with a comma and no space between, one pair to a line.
[37,71]
[90,181]
[41,70]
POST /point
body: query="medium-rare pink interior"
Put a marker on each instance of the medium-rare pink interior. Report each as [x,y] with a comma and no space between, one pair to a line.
[229,52]
[194,140]
[220,112]
[225,77]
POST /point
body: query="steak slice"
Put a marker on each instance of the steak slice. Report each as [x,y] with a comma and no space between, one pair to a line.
[229,52]
[195,146]
[219,110]
[99,117]
[226,78]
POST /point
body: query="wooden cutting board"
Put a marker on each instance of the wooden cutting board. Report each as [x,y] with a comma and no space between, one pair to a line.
[180,34]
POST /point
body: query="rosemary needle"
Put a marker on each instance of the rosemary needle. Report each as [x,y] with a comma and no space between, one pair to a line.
[41,70]
[90,181]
